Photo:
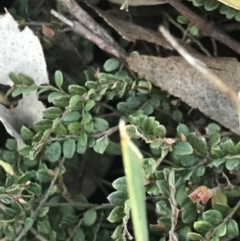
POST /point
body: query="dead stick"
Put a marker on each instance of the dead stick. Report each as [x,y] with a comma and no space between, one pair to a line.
[86,33]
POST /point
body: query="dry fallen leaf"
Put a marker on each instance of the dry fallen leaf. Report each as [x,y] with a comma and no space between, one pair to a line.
[178,78]
[47,31]
[132,32]
[22,53]
[232,3]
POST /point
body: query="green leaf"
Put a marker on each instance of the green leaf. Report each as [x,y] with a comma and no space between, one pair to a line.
[116,215]
[61,101]
[89,217]
[194,236]
[11,144]
[28,223]
[233,191]
[212,128]
[83,139]
[26,134]
[60,130]
[221,230]
[14,77]
[117,198]
[43,125]
[183,148]
[101,145]
[198,143]
[44,227]
[232,228]
[228,147]
[52,113]
[89,127]
[25,79]
[24,178]
[25,150]
[9,92]
[222,208]
[89,105]
[111,65]
[54,95]
[202,226]
[189,214]
[233,164]
[113,148]
[7,168]
[58,77]
[43,212]
[91,84]
[211,5]
[18,91]
[35,189]
[177,115]
[76,90]
[163,208]
[69,148]
[214,139]
[117,232]
[182,20]
[189,160]
[74,100]
[54,152]
[100,124]
[79,235]
[72,116]
[80,148]
[182,128]
[214,217]
[194,30]
[163,187]
[120,184]
[87,117]
[74,127]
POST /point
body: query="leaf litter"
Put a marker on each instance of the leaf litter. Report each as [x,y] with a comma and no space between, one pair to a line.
[22,53]
[177,77]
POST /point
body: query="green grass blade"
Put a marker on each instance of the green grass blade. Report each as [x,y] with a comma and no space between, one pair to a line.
[132,159]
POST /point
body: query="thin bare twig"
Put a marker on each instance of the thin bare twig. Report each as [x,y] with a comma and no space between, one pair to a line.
[37,235]
[225,221]
[22,233]
[80,29]
[207,28]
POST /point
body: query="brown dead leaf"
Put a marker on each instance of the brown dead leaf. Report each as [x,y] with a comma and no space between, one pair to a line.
[132,32]
[47,31]
[178,78]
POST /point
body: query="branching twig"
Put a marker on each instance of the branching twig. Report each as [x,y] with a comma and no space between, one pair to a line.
[208,29]
[22,233]
[225,221]
[37,235]
[89,29]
